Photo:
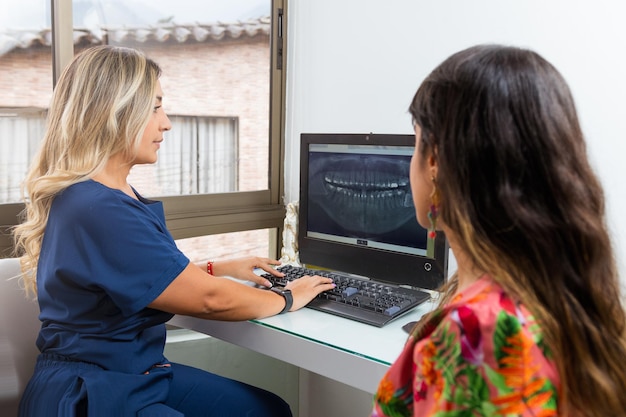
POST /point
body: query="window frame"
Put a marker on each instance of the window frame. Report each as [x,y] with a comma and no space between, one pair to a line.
[204,214]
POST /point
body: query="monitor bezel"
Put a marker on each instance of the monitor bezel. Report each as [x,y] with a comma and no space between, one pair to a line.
[383,265]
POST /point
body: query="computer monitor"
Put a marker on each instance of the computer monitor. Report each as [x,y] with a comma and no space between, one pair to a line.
[356,212]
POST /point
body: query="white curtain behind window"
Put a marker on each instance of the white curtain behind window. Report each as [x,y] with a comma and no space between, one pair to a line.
[20,134]
[199,155]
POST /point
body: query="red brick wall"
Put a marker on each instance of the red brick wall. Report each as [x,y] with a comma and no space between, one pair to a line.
[26,78]
[223,79]
[229,79]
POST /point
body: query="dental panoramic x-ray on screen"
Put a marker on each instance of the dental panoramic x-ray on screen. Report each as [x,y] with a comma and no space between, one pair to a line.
[363,196]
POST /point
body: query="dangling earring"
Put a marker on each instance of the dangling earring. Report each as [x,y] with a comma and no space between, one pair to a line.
[433,213]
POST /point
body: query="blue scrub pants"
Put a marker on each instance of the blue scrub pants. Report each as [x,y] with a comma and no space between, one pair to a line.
[66,388]
[197,393]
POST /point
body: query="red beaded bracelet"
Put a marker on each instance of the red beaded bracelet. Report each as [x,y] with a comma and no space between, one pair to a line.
[209,267]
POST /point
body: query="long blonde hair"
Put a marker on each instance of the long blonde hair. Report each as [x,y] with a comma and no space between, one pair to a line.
[524,203]
[100,108]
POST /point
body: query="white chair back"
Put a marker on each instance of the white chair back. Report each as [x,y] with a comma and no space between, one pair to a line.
[19,326]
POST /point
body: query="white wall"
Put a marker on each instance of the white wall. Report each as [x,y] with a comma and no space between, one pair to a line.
[354,65]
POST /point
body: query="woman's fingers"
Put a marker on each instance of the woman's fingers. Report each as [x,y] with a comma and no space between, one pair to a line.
[306,288]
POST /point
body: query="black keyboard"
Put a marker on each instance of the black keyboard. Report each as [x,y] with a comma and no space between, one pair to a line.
[356,298]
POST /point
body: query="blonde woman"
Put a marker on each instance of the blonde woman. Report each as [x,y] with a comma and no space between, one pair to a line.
[532,322]
[106,271]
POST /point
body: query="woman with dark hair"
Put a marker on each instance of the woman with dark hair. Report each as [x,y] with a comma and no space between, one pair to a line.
[531,323]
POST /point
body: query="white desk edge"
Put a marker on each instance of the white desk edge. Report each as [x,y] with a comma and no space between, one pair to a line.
[352,353]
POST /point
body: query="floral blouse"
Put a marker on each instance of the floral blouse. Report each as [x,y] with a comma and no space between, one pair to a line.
[481,355]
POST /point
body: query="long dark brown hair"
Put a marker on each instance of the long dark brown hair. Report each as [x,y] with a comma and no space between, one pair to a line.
[518,191]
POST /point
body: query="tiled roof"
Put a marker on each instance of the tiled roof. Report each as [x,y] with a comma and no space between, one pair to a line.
[15,38]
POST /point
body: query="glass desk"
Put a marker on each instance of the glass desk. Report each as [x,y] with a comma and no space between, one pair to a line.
[352,353]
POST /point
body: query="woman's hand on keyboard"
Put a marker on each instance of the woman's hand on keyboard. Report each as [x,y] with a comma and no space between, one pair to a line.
[307,288]
[243,268]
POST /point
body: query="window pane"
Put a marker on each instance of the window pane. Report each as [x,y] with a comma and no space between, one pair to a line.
[215,57]
[25,88]
[199,157]
[226,245]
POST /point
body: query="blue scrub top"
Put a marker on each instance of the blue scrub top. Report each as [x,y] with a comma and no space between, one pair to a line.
[105,256]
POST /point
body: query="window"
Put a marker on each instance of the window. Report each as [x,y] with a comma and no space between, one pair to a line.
[199,156]
[219,168]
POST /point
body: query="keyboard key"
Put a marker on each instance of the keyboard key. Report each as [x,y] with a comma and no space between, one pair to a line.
[350,291]
[392,310]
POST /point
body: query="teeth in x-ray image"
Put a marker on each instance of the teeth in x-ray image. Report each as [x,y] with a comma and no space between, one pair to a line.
[363,193]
